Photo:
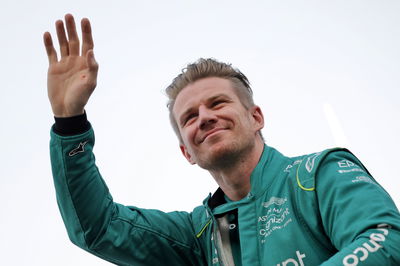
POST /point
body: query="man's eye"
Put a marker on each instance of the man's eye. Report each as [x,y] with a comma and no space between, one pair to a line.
[189,117]
[216,103]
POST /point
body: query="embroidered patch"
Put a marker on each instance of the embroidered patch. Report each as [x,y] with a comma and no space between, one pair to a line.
[79,149]
[275,216]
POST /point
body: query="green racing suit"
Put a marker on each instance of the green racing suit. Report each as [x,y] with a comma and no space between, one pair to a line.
[317,209]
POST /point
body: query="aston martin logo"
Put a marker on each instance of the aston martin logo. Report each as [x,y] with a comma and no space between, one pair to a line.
[79,149]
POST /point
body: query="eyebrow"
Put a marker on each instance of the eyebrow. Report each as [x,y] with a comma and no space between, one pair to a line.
[190,109]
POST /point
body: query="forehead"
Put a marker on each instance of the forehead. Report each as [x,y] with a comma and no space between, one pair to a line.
[200,91]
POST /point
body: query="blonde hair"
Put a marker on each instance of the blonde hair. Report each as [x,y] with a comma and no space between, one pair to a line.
[204,68]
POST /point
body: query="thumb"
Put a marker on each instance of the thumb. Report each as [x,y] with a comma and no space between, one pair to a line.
[91,61]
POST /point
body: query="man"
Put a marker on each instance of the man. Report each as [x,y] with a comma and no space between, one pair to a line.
[323,208]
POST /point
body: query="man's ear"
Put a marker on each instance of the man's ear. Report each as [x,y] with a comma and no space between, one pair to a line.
[186,154]
[258,117]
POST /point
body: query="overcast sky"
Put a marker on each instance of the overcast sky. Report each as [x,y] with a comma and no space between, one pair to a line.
[325,73]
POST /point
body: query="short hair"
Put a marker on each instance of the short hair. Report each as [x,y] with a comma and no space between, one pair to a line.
[204,68]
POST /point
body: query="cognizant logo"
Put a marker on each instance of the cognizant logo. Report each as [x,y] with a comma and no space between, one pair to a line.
[362,253]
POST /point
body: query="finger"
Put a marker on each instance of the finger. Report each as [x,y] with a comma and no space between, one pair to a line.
[87,40]
[62,38]
[73,39]
[48,44]
[91,61]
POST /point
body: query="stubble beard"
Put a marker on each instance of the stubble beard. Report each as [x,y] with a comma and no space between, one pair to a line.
[228,156]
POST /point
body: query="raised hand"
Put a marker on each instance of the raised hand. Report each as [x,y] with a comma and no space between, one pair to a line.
[72,78]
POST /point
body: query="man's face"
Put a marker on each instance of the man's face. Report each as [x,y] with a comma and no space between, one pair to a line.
[214,125]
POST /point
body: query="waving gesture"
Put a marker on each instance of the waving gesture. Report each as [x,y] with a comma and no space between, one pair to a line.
[71,78]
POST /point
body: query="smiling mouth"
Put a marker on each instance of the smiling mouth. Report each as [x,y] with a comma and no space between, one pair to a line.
[211,132]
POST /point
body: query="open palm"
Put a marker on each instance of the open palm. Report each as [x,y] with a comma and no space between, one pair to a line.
[72,79]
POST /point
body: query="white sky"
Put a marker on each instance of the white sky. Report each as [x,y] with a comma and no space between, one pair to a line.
[299,56]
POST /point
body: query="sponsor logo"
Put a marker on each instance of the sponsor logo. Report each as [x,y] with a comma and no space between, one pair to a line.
[276,216]
[345,163]
[348,164]
[362,253]
[298,261]
[357,169]
[310,161]
[274,200]
[362,178]
[290,166]
[79,149]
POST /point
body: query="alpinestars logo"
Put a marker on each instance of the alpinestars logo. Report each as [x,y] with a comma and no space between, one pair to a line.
[79,149]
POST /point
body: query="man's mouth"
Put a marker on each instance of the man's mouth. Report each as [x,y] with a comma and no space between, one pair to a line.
[211,132]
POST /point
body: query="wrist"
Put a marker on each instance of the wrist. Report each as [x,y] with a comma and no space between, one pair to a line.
[67,114]
[72,125]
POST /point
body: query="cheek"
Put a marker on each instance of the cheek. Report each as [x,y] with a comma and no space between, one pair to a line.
[187,135]
[244,120]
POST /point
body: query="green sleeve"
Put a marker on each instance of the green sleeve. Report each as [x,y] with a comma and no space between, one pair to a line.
[358,215]
[119,234]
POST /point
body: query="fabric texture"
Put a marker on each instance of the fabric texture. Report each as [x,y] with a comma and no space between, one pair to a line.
[317,209]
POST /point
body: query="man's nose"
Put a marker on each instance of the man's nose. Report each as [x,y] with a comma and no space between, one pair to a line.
[207,118]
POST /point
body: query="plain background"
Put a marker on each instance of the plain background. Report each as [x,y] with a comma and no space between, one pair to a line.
[325,73]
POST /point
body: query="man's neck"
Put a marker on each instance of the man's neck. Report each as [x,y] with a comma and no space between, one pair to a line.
[235,181]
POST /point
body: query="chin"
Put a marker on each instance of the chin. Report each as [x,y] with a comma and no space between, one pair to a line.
[220,155]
